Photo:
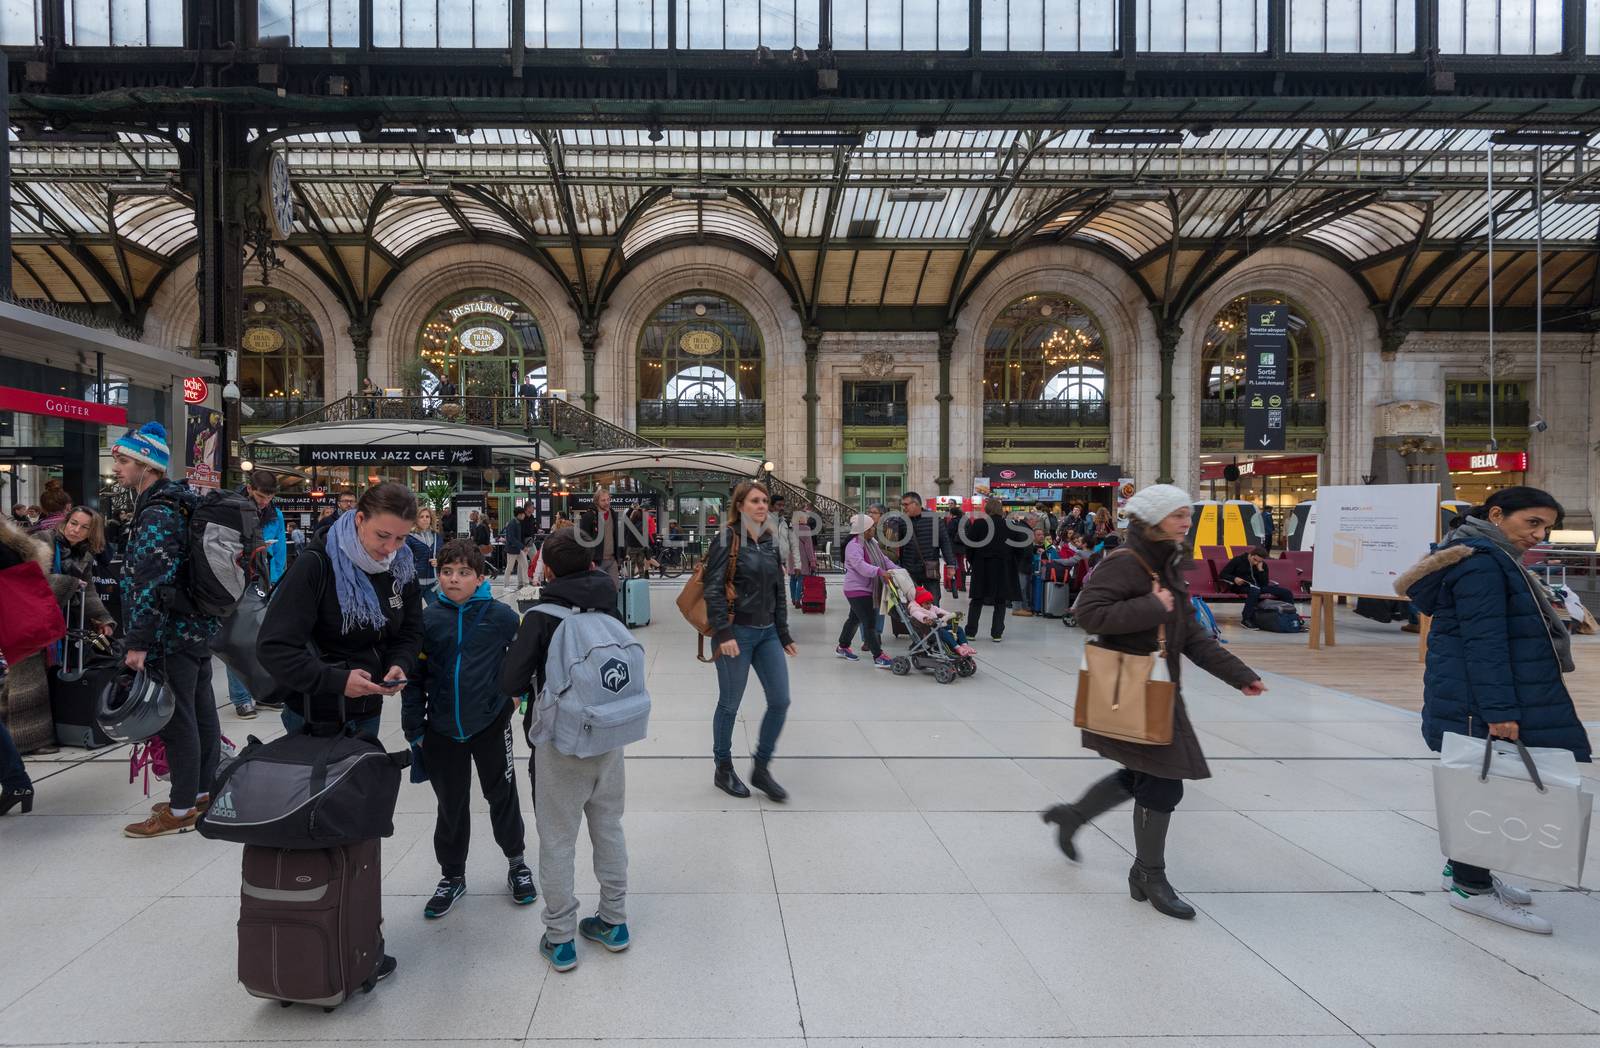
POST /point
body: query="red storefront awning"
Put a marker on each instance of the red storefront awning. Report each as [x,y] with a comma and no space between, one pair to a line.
[48,404]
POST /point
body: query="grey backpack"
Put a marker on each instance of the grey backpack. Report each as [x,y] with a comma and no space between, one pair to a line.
[594,699]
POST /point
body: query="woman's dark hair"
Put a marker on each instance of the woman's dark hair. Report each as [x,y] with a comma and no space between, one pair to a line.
[1515,499]
[55,498]
[388,497]
[564,554]
[462,551]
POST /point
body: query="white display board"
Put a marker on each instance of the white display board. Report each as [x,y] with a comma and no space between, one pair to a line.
[1369,534]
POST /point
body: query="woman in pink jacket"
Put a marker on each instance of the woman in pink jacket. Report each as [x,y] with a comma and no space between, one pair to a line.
[864,564]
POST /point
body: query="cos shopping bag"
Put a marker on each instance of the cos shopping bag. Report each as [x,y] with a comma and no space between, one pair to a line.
[1518,824]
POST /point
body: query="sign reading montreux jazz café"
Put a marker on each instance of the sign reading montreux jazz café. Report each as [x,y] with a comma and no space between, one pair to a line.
[443,457]
[1266,385]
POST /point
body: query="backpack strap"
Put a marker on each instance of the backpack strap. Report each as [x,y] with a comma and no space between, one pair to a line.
[555,611]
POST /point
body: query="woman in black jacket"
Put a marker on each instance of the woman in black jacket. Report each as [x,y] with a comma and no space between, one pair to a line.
[346,618]
[748,611]
[995,548]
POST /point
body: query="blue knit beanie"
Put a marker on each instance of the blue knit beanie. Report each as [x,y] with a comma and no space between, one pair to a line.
[147,444]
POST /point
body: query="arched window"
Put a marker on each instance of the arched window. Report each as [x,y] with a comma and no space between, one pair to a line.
[1045,363]
[700,363]
[281,347]
[1223,362]
[485,343]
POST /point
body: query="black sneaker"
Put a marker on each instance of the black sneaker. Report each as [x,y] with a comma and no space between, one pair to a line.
[386,968]
[268,704]
[444,896]
[520,881]
[1249,624]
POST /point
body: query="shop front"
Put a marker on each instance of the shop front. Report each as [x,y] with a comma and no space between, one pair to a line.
[51,436]
[1279,482]
[1051,488]
[1477,475]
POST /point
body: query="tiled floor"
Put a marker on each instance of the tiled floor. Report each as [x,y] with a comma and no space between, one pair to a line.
[907,895]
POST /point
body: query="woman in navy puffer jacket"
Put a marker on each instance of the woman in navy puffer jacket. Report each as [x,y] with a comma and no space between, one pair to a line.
[1496,655]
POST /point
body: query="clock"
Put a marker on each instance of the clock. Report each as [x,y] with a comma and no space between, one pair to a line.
[278,202]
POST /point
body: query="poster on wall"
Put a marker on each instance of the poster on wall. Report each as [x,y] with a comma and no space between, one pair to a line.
[1369,534]
[1266,387]
[204,436]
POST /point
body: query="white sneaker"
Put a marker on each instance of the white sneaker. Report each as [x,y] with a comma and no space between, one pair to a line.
[1497,909]
[1514,894]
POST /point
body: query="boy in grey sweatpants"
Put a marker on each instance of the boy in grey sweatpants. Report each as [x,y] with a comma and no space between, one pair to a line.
[567,790]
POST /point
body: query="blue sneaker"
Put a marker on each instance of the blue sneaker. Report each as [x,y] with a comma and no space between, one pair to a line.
[613,937]
[883,662]
[563,956]
[845,653]
[444,896]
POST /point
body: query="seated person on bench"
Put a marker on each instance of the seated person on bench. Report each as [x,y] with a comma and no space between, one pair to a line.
[1247,574]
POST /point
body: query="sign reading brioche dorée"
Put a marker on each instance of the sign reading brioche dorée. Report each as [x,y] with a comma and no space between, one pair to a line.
[443,457]
[1047,476]
[700,343]
[195,390]
[494,309]
[31,403]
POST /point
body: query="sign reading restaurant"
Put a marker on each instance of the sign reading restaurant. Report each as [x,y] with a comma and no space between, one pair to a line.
[444,457]
[469,308]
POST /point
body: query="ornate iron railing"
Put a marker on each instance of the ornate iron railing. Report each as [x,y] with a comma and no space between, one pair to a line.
[881,414]
[702,412]
[1079,413]
[1230,414]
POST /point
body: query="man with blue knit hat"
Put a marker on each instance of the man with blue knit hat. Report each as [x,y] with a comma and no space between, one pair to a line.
[162,640]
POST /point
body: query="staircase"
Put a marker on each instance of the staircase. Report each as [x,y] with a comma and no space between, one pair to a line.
[564,426]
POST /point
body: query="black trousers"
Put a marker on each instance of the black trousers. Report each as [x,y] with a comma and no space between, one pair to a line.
[193,736]
[1474,879]
[449,765]
[975,613]
[1253,595]
[863,612]
[1152,791]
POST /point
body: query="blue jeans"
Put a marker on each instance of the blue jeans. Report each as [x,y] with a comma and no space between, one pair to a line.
[293,722]
[237,692]
[758,647]
[954,636]
[13,775]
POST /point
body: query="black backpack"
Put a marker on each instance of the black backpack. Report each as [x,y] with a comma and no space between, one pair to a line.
[225,552]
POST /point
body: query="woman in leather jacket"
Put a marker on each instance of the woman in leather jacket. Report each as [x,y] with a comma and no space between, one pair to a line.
[748,612]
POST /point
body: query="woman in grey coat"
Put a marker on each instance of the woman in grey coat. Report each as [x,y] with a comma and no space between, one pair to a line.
[1128,598]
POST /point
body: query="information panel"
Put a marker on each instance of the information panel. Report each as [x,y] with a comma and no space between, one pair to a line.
[1369,534]
[1266,387]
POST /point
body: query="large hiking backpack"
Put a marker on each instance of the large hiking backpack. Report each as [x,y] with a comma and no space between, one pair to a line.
[224,553]
[594,699]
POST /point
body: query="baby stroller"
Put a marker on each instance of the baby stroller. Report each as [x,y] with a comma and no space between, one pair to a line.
[929,651]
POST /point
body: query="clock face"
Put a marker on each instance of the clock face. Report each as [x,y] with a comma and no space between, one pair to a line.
[280,201]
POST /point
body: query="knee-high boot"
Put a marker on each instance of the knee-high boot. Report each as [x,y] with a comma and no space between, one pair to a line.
[1148,878]
[1096,800]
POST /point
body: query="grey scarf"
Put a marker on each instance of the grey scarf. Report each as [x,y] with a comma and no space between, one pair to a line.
[1560,639]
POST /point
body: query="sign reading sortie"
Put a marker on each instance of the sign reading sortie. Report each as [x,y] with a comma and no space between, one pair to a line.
[31,403]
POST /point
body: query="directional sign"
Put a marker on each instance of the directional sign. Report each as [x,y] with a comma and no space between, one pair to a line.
[1266,386]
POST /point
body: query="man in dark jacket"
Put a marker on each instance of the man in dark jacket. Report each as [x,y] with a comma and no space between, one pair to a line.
[516,549]
[605,535]
[347,502]
[922,543]
[160,639]
[1247,574]
[455,715]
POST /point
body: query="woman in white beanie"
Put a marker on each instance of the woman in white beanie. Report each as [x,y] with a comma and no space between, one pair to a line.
[1128,599]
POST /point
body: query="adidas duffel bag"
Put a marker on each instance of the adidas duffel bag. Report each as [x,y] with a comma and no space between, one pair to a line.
[306,791]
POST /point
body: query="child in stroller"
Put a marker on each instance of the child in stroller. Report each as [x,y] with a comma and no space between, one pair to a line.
[935,643]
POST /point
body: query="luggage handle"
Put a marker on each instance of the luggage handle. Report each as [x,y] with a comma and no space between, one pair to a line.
[1522,751]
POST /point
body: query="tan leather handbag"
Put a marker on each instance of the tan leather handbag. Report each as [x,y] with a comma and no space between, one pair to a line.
[692,600]
[1127,697]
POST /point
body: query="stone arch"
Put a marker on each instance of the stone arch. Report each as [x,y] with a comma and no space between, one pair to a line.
[1126,325]
[1350,347]
[702,267]
[174,316]
[423,284]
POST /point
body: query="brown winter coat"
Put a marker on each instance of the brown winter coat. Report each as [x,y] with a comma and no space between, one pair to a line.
[25,696]
[1118,604]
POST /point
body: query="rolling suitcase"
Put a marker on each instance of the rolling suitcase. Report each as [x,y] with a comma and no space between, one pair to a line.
[636,602]
[311,923]
[76,684]
[1036,604]
[1057,598]
[813,595]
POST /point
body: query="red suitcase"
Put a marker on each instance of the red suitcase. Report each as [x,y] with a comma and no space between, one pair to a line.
[311,923]
[813,595]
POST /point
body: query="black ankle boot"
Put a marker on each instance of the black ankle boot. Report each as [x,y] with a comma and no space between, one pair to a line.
[727,780]
[1147,881]
[11,798]
[1096,800]
[762,780]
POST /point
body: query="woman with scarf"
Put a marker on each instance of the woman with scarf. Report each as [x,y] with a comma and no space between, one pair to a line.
[1137,602]
[76,543]
[1497,650]
[425,543]
[346,619]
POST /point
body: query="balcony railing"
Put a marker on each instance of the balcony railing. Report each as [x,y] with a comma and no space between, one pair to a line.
[890,414]
[1476,413]
[1229,414]
[278,409]
[1080,413]
[702,413]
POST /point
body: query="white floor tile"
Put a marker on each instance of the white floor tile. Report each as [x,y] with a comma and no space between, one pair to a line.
[859,852]
[1384,850]
[1214,851]
[967,784]
[939,738]
[1016,852]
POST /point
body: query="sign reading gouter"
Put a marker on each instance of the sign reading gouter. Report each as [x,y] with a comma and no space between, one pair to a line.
[443,457]
[1266,377]
[700,343]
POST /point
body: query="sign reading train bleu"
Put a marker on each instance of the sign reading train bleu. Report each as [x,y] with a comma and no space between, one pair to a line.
[449,458]
[1053,475]
[1266,386]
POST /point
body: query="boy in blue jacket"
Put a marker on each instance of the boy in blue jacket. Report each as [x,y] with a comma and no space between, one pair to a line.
[454,715]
